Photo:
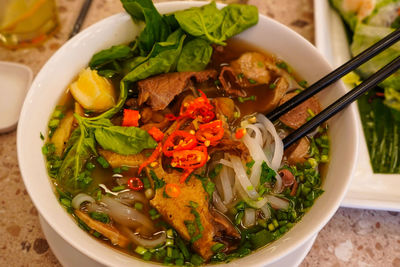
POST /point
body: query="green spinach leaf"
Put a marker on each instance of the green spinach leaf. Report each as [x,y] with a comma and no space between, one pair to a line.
[79,149]
[162,59]
[108,55]
[156,29]
[124,140]
[237,18]
[201,21]
[216,25]
[195,55]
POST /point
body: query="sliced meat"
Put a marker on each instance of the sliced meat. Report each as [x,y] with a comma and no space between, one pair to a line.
[299,115]
[118,160]
[287,177]
[231,82]
[107,230]
[279,91]
[177,211]
[159,91]
[252,66]
[298,152]
[224,106]
[228,145]
[160,125]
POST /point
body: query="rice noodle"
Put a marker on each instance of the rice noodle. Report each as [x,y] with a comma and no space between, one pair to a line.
[242,177]
[93,207]
[249,218]
[257,133]
[277,203]
[81,198]
[217,202]
[125,215]
[267,212]
[160,238]
[256,173]
[130,197]
[226,163]
[278,150]
[226,185]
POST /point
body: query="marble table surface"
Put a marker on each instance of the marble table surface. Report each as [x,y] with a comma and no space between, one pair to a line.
[352,238]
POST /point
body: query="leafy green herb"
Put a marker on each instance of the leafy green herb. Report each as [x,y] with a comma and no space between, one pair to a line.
[261,238]
[267,174]
[109,55]
[100,216]
[195,56]
[215,172]
[156,29]
[41,136]
[123,140]
[158,182]
[249,165]
[216,25]
[272,85]
[381,133]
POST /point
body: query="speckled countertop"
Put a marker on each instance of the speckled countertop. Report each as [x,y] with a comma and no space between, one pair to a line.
[352,238]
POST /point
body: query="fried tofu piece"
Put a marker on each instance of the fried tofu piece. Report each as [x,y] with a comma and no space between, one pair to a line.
[118,160]
[106,230]
[177,211]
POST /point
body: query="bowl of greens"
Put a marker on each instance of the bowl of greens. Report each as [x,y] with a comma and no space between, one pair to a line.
[151,146]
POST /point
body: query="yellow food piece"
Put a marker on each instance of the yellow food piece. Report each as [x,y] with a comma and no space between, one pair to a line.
[62,133]
[92,91]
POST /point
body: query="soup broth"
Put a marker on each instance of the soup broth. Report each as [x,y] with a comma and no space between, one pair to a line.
[186,170]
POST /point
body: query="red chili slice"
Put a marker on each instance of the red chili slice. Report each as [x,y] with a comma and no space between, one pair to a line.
[152,158]
[177,141]
[212,132]
[135,183]
[190,159]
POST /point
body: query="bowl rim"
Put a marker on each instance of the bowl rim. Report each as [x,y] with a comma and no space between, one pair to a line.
[177,6]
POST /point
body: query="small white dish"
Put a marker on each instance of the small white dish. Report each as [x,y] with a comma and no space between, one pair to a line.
[368,190]
[15,81]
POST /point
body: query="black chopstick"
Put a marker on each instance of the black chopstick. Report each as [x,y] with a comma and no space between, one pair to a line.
[81,18]
[335,75]
[342,102]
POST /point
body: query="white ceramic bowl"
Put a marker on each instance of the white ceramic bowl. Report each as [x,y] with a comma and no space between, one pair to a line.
[65,64]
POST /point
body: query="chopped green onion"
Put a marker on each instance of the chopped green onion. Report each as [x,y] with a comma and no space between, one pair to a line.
[90,166]
[272,85]
[103,162]
[118,188]
[117,170]
[252,81]
[217,247]
[140,250]
[303,83]
[147,256]
[240,75]
[153,212]
[169,242]
[41,136]
[196,260]
[138,206]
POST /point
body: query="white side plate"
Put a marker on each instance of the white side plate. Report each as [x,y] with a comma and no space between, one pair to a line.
[367,190]
[15,80]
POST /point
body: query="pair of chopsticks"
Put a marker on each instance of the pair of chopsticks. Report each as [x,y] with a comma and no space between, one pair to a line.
[332,77]
[81,18]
